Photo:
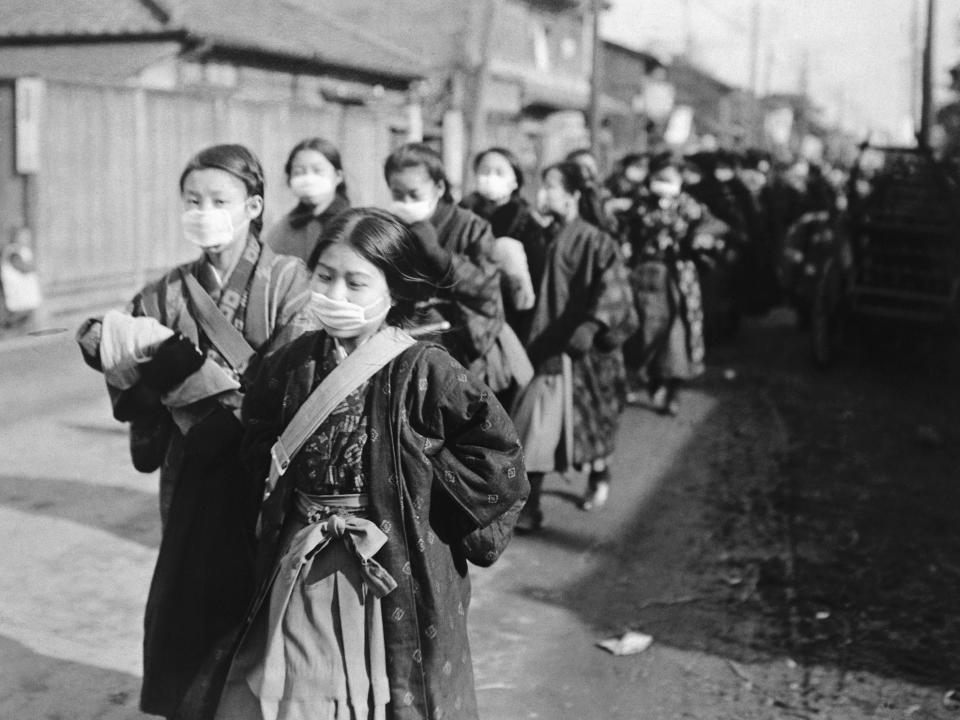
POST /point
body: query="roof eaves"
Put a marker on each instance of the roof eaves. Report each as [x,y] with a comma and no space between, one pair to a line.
[92,37]
[282,59]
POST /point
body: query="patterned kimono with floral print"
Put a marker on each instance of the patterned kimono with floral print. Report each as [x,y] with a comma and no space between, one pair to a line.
[667,288]
[584,279]
[444,470]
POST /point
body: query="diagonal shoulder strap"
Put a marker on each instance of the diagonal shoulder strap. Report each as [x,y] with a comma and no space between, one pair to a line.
[225,337]
[358,367]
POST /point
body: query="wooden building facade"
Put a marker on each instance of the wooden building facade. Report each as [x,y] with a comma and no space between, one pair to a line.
[98,127]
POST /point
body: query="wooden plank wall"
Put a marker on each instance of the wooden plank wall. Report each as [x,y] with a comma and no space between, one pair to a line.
[112,158]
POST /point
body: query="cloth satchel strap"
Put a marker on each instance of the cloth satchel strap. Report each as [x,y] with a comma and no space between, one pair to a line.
[228,341]
[355,369]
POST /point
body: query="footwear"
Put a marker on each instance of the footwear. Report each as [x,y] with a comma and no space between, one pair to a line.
[597,494]
[673,401]
[658,399]
[530,521]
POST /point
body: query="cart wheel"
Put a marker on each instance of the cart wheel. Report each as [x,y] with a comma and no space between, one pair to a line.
[826,315]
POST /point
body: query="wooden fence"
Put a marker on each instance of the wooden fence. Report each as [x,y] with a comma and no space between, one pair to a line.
[108,201]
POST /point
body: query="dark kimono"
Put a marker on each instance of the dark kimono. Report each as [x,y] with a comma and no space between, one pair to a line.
[667,288]
[469,298]
[445,474]
[585,280]
[298,232]
[204,575]
[514,219]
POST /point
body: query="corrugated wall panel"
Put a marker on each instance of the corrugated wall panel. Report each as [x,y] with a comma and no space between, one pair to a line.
[112,158]
[88,221]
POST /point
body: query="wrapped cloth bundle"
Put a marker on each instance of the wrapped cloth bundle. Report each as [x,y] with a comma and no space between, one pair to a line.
[125,342]
[511,258]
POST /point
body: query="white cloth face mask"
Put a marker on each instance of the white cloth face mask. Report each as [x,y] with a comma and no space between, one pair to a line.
[665,189]
[345,318]
[208,228]
[495,187]
[311,186]
[414,211]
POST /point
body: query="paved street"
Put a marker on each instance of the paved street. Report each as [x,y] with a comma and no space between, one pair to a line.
[773,539]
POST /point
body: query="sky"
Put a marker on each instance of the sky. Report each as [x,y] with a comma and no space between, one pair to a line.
[858,51]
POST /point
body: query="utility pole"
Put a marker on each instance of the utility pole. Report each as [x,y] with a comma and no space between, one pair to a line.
[803,91]
[915,63]
[596,71]
[478,120]
[926,84]
[755,48]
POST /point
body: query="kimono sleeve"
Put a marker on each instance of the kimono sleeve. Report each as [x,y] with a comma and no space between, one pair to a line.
[289,297]
[150,423]
[478,473]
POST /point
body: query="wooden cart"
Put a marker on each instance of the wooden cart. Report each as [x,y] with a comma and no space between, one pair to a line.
[898,262]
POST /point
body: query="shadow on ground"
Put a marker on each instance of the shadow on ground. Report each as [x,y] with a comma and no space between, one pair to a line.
[37,686]
[128,514]
[813,516]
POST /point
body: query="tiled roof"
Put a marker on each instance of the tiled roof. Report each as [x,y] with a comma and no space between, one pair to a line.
[276,27]
[24,18]
[287,28]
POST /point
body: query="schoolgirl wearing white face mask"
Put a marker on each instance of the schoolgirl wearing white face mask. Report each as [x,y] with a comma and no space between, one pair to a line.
[669,350]
[376,522]
[569,414]
[457,248]
[315,176]
[184,344]
[521,244]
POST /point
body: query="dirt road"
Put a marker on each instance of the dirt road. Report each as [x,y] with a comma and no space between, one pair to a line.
[789,541]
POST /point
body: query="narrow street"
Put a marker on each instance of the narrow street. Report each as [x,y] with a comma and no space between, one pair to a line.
[789,541]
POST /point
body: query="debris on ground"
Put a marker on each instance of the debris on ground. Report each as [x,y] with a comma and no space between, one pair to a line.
[630,643]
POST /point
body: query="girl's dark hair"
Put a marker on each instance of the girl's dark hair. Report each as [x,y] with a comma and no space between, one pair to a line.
[579,152]
[418,155]
[325,148]
[634,158]
[666,159]
[382,240]
[239,162]
[506,155]
[574,180]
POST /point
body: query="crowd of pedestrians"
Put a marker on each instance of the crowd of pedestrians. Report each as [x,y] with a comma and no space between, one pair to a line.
[350,406]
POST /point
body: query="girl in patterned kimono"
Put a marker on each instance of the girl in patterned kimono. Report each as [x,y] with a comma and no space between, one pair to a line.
[367,534]
[458,247]
[181,392]
[569,414]
[315,175]
[664,232]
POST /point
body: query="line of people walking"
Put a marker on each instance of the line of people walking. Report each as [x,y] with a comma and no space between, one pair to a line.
[349,407]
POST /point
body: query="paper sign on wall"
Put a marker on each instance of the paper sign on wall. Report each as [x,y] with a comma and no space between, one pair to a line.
[28,109]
